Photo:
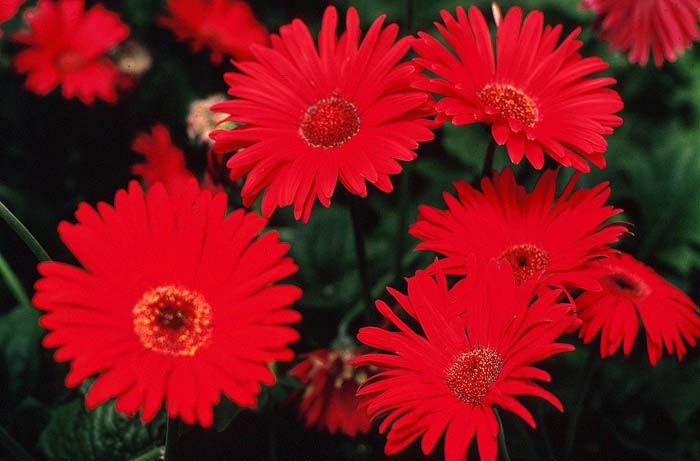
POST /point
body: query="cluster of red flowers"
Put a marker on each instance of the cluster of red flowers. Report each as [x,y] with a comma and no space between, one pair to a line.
[178,301]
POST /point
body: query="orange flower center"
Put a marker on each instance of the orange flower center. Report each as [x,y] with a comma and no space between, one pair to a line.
[472,373]
[625,284]
[70,61]
[525,259]
[173,320]
[511,103]
[331,122]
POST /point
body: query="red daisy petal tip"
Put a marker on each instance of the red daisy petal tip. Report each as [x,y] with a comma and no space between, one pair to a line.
[661,28]
[67,46]
[538,233]
[448,376]
[537,96]
[633,293]
[329,398]
[225,27]
[311,115]
[176,302]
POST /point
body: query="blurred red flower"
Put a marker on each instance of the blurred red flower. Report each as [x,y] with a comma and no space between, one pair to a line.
[633,293]
[165,162]
[449,378]
[8,8]
[663,28]
[225,27]
[177,302]
[536,95]
[329,400]
[310,118]
[535,232]
[67,47]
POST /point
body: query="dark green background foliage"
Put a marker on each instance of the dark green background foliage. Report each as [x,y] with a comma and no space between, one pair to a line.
[56,153]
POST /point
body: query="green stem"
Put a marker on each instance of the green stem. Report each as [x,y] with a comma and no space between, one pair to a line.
[584,387]
[356,215]
[12,447]
[488,158]
[154,454]
[347,319]
[502,448]
[172,433]
[13,282]
[23,233]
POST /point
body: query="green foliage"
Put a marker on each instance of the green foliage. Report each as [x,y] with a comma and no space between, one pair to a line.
[100,435]
[20,352]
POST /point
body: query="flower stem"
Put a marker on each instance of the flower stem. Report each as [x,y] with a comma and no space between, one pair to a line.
[13,282]
[172,433]
[356,215]
[23,233]
[502,448]
[154,454]
[488,158]
[12,447]
[584,386]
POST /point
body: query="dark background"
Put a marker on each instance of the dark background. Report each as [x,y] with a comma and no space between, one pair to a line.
[56,153]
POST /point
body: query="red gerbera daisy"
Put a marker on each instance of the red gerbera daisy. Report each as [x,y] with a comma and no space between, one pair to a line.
[633,292]
[164,161]
[312,117]
[8,8]
[535,232]
[660,27]
[449,378]
[226,27]
[68,47]
[535,95]
[177,303]
[329,400]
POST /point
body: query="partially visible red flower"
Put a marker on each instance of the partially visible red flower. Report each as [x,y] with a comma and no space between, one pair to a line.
[663,28]
[537,233]
[175,302]
[537,96]
[165,162]
[633,293]
[67,47]
[8,8]
[329,401]
[448,378]
[225,27]
[310,117]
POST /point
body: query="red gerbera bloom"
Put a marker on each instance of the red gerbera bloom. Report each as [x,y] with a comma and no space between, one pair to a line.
[226,27]
[177,303]
[535,95]
[310,118]
[660,27]
[534,232]
[8,8]
[68,47]
[449,378]
[329,400]
[633,292]
[164,161]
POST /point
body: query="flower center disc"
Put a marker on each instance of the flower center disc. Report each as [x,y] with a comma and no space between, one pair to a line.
[623,283]
[511,103]
[331,122]
[526,260]
[472,373]
[70,61]
[172,320]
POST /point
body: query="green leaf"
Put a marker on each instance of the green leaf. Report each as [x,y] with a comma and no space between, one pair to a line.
[101,435]
[20,352]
